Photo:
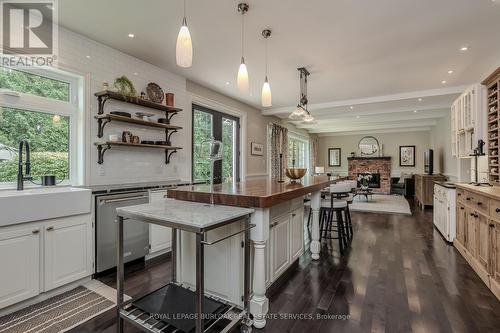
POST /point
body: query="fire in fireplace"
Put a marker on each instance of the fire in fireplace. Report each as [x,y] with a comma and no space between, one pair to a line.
[374,182]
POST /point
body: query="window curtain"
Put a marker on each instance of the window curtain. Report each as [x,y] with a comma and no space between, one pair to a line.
[313,152]
[279,145]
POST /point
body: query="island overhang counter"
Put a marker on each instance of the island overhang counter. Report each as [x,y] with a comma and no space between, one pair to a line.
[277,238]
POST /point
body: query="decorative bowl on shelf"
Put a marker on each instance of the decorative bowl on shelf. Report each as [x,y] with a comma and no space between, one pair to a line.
[295,173]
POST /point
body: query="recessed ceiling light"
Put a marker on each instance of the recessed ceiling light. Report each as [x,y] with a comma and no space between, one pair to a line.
[420,99]
[87,56]
[251,95]
[443,82]
[131,35]
[351,107]
[227,83]
[415,111]
[450,71]
[357,117]
[136,73]
[464,48]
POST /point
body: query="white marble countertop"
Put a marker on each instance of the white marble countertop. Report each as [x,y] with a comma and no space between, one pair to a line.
[184,215]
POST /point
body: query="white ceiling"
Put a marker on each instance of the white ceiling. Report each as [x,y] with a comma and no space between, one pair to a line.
[379,56]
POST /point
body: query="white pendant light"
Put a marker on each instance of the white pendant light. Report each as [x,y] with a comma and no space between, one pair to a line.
[184,46]
[242,79]
[266,97]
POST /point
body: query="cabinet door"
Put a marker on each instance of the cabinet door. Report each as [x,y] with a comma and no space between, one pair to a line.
[461,223]
[297,233]
[280,234]
[160,238]
[483,246]
[20,265]
[471,243]
[495,250]
[68,252]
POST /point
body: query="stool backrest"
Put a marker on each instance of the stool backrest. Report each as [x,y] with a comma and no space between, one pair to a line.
[340,187]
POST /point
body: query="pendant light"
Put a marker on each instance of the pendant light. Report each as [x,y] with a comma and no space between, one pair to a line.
[301,112]
[242,79]
[266,87]
[184,46]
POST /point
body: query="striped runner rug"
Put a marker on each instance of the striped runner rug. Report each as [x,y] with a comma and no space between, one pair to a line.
[62,312]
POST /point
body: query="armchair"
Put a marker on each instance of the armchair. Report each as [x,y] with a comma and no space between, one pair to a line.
[407,188]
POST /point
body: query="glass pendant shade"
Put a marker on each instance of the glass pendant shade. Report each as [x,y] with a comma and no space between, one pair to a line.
[266,94]
[184,47]
[298,113]
[242,79]
[308,118]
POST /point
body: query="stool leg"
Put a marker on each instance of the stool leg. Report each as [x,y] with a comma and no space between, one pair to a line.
[340,232]
[349,224]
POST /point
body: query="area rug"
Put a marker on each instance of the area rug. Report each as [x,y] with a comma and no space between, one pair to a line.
[62,312]
[381,203]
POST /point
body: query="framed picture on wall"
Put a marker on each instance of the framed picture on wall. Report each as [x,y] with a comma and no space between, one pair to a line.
[407,156]
[334,157]
[257,149]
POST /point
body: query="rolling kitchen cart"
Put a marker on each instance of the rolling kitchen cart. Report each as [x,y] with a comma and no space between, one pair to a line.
[176,307]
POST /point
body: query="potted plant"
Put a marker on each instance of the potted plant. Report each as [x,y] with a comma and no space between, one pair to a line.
[364,180]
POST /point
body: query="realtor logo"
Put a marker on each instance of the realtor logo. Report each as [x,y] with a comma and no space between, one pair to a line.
[29,32]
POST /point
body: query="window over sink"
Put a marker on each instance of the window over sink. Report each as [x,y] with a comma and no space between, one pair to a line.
[43,107]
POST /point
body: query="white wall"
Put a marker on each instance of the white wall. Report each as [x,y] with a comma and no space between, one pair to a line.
[390,142]
[124,165]
[440,142]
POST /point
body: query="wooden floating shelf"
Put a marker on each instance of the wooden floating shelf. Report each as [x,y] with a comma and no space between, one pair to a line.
[102,147]
[105,95]
[103,119]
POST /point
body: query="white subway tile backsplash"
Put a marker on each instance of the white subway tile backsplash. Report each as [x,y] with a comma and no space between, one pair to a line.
[126,165]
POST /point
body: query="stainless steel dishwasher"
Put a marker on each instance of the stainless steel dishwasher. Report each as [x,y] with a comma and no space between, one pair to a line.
[135,235]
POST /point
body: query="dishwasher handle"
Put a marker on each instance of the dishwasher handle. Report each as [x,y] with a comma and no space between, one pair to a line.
[108,201]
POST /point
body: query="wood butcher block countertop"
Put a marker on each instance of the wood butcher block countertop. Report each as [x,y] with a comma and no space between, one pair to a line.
[492,192]
[262,193]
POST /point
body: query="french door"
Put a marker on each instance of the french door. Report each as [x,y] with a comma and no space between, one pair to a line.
[209,123]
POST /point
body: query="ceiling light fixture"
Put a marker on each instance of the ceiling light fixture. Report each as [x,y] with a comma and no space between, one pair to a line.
[420,99]
[357,117]
[443,82]
[227,83]
[415,111]
[266,87]
[301,112]
[131,35]
[351,107]
[242,78]
[464,49]
[184,46]
[450,71]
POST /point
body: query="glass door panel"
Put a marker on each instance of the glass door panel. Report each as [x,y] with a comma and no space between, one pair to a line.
[225,128]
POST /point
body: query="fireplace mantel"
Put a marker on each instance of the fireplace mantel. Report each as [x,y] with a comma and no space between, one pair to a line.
[369,158]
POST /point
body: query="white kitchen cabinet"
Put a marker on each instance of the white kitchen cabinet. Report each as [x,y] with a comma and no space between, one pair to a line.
[160,238]
[280,242]
[67,250]
[20,264]
[445,211]
[468,124]
[297,233]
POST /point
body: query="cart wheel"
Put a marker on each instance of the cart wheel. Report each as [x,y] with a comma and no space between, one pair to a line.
[245,329]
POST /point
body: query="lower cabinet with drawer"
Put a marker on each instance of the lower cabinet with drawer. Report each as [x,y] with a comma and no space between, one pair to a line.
[478,232]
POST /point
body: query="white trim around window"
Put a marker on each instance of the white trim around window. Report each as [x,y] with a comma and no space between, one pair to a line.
[73,109]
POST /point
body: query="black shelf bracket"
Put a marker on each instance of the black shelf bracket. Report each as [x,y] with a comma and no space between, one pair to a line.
[101,149]
[169,116]
[101,100]
[169,135]
[101,123]
[168,155]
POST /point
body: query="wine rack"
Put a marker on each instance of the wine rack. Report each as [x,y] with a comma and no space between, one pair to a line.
[492,84]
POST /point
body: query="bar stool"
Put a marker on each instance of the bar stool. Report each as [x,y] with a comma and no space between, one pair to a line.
[329,208]
[343,191]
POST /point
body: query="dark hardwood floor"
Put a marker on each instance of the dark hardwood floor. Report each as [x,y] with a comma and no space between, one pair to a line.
[399,276]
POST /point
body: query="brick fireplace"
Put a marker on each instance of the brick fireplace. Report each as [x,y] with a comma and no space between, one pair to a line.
[374,165]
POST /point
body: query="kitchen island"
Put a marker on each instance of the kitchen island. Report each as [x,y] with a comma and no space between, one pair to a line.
[277,239]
